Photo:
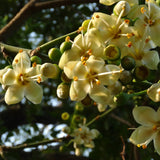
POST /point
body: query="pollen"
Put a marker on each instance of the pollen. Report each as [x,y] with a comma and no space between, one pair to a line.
[97,16]
[21,50]
[144,146]
[98,82]
[159,92]
[129,35]
[67,39]
[154,127]
[129,44]
[39,80]
[94,103]
[75,78]
[143,10]
[34,64]
[80,129]
[80,29]
[127,21]
[89,52]
[147,40]
[138,145]
[16,60]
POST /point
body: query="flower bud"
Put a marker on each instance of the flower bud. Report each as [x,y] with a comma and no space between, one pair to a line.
[50,70]
[63,91]
[126,77]
[141,73]
[122,6]
[77,118]
[79,107]
[36,59]
[112,53]
[65,46]
[85,25]
[116,88]
[65,116]
[66,130]
[128,62]
[54,54]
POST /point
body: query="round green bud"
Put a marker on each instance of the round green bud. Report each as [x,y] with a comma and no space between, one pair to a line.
[85,25]
[65,116]
[112,53]
[36,59]
[78,118]
[65,46]
[79,107]
[141,73]
[54,54]
[128,62]
[50,70]
[122,6]
[126,77]
[63,91]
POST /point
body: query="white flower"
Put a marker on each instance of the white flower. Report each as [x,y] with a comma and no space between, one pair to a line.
[90,78]
[149,129]
[21,80]
[84,136]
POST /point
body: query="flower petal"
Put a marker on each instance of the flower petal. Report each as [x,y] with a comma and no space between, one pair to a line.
[154,92]
[142,135]
[14,94]
[145,115]
[9,77]
[157,142]
[79,90]
[33,92]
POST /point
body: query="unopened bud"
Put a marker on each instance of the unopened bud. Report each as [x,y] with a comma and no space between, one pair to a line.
[66,129]
[112,53]
[65,46]
[122,6]
[141,73]
[50,70]
[126,77]
[79,107]
[54,54]
[128,62]
[65,115]
[85,25]
[63,91]
[36,59]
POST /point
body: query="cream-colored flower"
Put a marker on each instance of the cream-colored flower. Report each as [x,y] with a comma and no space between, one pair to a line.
[90,78]
[149,129]
[84,136]
[149,20]
[110,2]
[83,46]
[154,92]
[21,81]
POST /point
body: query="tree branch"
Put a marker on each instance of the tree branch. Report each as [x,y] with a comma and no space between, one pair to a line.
[31,8]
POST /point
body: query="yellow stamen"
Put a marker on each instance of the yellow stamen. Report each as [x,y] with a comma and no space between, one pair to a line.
[138,145]
[39,80]
[94,103]
[127,21]
[75,78]
[80,129]
[147,40]
[21,50]
[67,39]
[97,16]
[80,29]
[129,35]
[129,44]
[98,82]
[150,22]
[143,10]
[16,60]
[34,64]
[159,92]
[154,127]
[144,146]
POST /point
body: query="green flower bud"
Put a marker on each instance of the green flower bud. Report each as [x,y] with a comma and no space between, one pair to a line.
[79,107]
[85,25]
[112,53]
[63,91]
[54,54]
[36,59]
[128,62]
[126,77]
[78,118]
[122,6]
[141,73]
[65,46]
[65,116]
[50,70]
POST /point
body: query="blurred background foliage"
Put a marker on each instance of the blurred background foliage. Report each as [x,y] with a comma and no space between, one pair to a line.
[27,123]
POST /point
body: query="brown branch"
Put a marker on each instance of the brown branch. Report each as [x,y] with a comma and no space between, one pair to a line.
[123,150]
[31,8]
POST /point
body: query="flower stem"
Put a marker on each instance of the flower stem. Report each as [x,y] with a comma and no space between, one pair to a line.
[139,93]
[100,116]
